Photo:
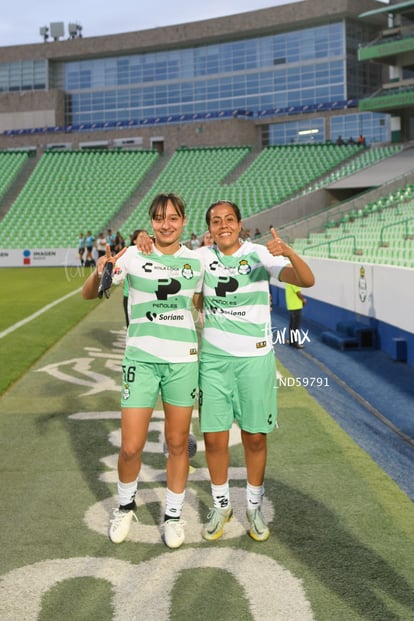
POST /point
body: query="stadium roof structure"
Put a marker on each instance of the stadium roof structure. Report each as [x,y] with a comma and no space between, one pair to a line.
[402,8]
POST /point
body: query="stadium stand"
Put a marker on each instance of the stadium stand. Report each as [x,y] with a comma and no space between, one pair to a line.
[275,174]
[11,163]
[72,191]
[367,158]
[382,232]
[195,174]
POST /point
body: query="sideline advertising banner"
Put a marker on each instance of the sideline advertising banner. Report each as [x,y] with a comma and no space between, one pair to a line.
[38,257]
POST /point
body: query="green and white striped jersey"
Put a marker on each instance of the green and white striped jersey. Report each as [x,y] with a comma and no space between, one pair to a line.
[236,300]
[161,288]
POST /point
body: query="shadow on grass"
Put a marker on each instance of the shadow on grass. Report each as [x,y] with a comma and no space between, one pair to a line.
[356,573]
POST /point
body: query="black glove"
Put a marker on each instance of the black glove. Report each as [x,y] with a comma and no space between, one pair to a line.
[106,280]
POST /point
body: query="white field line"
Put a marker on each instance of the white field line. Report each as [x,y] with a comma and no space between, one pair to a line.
[21,323]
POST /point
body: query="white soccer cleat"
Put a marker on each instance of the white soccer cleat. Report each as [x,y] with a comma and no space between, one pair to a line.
[120,525]
[173,533]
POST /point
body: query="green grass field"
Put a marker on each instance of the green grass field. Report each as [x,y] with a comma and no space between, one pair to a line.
[342,532]
[26,291]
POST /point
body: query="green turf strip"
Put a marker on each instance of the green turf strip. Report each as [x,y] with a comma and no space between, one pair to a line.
[28,291]
[341,525]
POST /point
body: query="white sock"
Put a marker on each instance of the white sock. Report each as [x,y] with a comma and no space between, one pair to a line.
[221,495]
[173,504]
[126,492]
[254,495]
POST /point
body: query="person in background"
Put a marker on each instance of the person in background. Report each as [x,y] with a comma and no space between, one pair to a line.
[101,245]
[161,354]
[361,140]
[207,240]
[110,238]
[125,299]
[294,303]
[119,242]
[89,244]
[194,242]
[81,248]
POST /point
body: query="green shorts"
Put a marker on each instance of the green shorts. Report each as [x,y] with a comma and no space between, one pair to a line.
[238,389]
[142,382]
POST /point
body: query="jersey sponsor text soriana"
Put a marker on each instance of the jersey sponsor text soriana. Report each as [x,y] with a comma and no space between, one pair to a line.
[236,300]
[161,288]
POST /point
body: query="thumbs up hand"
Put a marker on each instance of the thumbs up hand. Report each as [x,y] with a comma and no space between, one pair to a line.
[276,246]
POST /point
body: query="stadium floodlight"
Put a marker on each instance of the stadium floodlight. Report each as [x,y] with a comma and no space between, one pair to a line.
[75,30]
[57,29]
[44,32]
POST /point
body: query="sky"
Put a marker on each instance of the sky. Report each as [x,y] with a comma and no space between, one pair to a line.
[21,22]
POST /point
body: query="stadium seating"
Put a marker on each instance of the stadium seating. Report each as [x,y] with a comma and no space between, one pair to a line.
[279,172]
[11,163]
[69,192]
[196,175]
[366,158]
[382,232]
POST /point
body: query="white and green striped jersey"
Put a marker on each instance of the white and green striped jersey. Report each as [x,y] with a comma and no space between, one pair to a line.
[161,288]
[236,300]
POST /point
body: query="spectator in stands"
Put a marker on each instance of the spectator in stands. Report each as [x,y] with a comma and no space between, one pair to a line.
[361,140]
[89,243]
[351,141]
[257,233]
[294,303]
[81,248]
[101,245]
[339,141]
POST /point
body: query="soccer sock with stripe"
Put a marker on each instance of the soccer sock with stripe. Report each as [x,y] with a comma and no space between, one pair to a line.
[126,494]
[254,495]
[173,505]
[221,495]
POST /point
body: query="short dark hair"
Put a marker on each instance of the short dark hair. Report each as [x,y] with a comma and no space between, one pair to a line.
[223,202]
[159,204]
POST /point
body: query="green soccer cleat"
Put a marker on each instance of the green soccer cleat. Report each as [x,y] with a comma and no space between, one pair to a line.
[217,518]
[258,530]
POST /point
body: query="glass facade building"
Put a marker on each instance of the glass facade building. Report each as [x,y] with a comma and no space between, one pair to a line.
[23,75]
[296,68]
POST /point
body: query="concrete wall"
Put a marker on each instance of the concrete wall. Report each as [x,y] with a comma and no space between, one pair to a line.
[226,132]
[379,296]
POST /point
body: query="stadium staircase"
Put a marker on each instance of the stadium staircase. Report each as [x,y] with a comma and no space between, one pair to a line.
[69,192]
[195,174]
[16,168]
[142,190]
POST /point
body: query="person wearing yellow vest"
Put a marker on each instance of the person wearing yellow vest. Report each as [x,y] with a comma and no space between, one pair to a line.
[294,303]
